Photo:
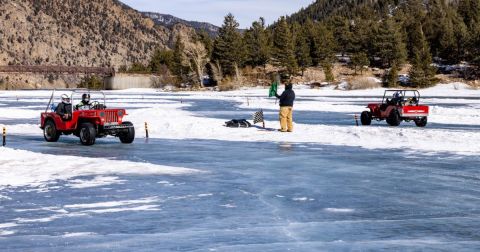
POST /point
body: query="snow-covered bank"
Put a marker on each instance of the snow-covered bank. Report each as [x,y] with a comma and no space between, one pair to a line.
[168,117]
[22,168]
[184,126]
[174,123]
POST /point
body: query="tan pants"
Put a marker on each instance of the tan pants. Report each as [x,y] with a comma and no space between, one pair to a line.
[286,119]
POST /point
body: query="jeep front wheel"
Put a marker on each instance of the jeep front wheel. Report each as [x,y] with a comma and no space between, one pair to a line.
[50,132]
[128,136]
[87,134]
[366,118]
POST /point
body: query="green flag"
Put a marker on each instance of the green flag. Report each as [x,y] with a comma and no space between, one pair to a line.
[273,89]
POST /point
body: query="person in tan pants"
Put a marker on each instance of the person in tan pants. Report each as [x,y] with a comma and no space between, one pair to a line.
[286,119]
[286,108]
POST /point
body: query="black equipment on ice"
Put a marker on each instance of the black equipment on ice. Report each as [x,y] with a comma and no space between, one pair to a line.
[238,123]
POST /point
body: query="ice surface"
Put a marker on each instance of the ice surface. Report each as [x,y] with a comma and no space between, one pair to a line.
[197,186]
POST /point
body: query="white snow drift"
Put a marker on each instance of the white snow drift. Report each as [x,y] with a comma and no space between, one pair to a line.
[22,168]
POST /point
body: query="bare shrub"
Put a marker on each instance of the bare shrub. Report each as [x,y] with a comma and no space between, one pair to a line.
[227,85]
[475,85]
[313,75]
[3,84]
[254,76]
[364,83]
[163,78]
[92,82]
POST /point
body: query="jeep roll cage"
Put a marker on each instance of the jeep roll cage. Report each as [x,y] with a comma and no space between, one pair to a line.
[73,94]
[403,93]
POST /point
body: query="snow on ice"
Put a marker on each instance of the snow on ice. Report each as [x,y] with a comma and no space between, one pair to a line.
[22,168]
[196,185]
[169,118]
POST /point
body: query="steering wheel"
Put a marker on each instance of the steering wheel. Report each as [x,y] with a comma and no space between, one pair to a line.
[98,106]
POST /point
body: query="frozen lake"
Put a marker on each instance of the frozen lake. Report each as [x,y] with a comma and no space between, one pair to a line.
[249,195]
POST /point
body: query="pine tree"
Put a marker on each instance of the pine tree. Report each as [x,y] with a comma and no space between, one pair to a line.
[325,44]
[474,48]
[416,9]
[302,53]
[359,60]
[177,66]
[257,44]
[328,70]
[446,43]
[389,44]
[302,48]
[461,36]
[161,58]
[309,30]
[435,26]
[391,77]
[137,67]
[228,48]
[422,73]
[469,10]
[283,53]
[206,40]
[362,34]
[342,33]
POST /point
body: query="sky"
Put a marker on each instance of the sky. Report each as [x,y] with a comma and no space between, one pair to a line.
[214,11]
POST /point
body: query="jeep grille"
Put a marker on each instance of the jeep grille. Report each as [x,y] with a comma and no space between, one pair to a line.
[111,117]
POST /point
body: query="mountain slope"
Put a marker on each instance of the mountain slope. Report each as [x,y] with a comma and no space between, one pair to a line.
[170,21]
[322,9]
[77,33]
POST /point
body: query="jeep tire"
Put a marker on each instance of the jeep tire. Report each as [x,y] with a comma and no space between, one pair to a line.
[421,122]
[366,118]
[50,132]
[128,136]
[394,118]
[87,134]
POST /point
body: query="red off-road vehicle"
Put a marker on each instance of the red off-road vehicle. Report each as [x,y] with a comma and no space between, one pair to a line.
[95,121]
[403,105]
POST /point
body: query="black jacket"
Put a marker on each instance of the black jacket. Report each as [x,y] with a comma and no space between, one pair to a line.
[63,109]
[287,98]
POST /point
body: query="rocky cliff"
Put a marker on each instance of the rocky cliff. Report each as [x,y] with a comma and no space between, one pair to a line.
[102,33]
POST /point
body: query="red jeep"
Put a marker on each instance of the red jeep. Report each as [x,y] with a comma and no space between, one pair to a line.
[404,105]
[93,122]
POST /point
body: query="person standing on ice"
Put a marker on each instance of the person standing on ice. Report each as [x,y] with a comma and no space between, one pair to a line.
[286,108]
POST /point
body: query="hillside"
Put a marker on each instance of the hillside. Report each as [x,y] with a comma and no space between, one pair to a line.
[323,9]
[170,21]
[76,32]
[396,31]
